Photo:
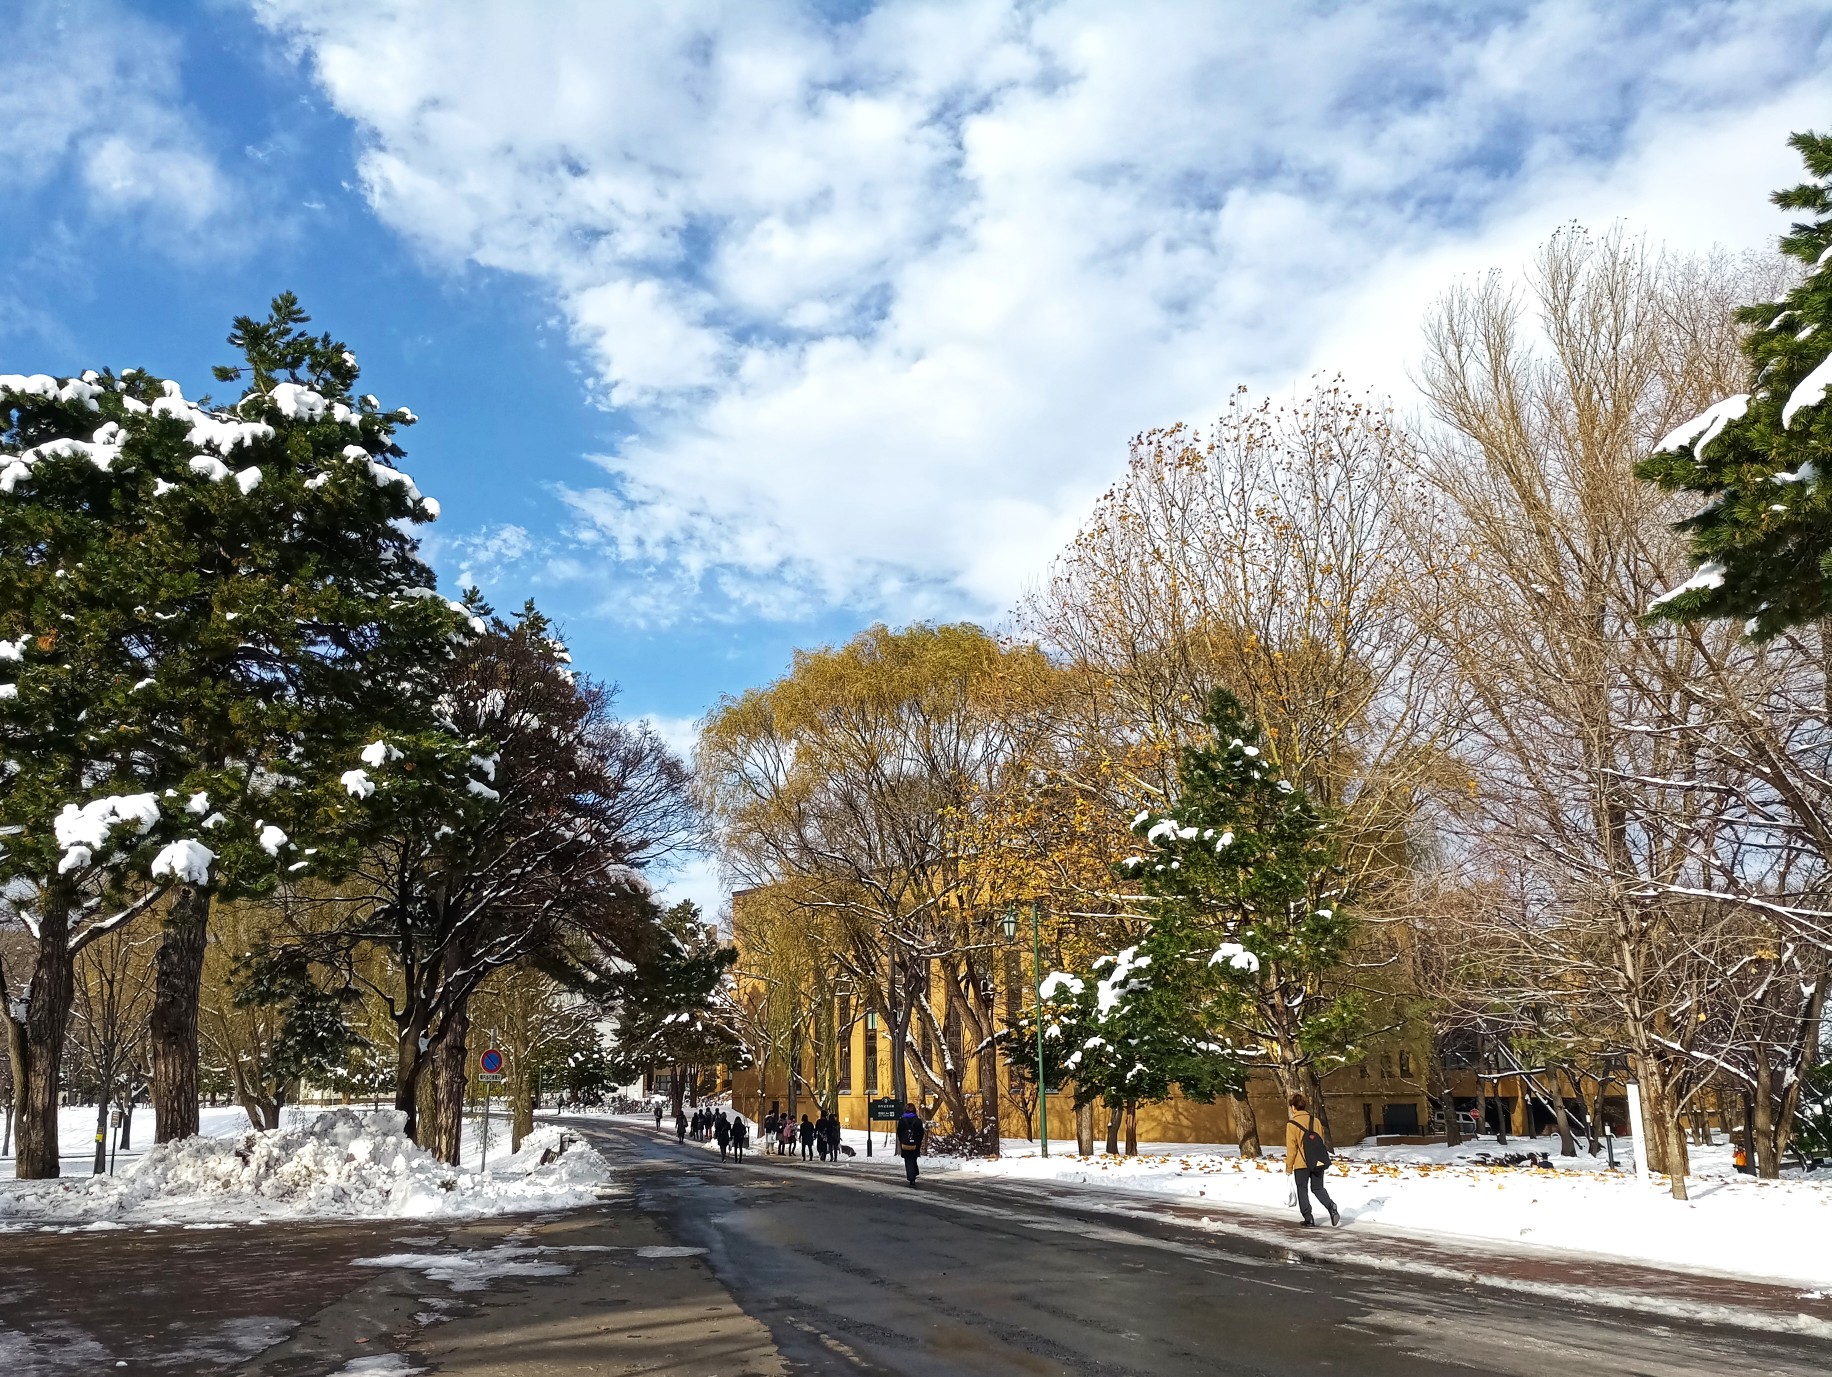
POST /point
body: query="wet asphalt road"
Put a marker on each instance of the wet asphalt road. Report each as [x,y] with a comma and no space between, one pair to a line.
[854,1273]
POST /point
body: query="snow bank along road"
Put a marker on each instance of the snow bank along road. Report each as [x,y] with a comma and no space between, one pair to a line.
[778,1267]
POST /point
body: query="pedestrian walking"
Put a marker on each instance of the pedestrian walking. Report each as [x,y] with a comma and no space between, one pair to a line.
[806,1131]
[722,1134]
[658,1118]
[910,1134]
[680,1126]
[741,1137]
[785,1137]
[770,1122]
[1306,1159]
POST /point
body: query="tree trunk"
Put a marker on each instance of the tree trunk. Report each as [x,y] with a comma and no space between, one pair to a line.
[521,1092]
[1113,1129]
[1482,1097]
[678,1089]
[124,1140]
[101,1135]
[449,1080]
[988,1059]
[1132,1128]
[36,1041]
[409,1063]
[172,1027]
[1567,1145]
[1447,1102]
[1248,1122]
[1762,1133]
[1084,1129]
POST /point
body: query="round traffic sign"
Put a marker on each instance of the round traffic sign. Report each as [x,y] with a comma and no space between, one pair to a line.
[491,1063]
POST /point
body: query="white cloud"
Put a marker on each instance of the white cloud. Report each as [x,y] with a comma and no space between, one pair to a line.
[885,298]
[94,90]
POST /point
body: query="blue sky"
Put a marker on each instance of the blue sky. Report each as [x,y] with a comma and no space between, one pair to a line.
[734,327]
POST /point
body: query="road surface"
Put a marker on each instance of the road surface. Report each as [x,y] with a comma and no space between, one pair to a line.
[698,1269]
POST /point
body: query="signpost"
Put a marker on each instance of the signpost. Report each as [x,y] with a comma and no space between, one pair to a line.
[490,1067]
[882,1111]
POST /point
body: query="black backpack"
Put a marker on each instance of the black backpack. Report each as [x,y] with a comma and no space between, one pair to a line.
[1311,1147]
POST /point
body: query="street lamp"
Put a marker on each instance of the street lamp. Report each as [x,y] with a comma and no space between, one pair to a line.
[1010,924]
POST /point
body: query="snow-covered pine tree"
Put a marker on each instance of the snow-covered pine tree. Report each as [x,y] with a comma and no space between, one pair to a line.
[673,1005]
[1761,459]
[1247,924]
[208,608]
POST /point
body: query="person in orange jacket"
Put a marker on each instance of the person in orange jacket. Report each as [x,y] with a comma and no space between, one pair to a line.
[1306,1159]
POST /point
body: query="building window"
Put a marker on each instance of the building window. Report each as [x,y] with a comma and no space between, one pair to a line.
[1405,1063]
[1386,1066]
[843,1077]
[871,1057]
[1363,1068]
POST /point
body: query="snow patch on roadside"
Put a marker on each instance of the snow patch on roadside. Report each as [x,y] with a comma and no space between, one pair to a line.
[344,1164]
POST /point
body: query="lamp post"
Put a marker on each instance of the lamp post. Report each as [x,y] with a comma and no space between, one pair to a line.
[1010,924]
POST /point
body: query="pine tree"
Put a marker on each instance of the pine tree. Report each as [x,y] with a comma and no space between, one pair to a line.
[204,608]
[1248,924]
[673,1006]
[1763,541]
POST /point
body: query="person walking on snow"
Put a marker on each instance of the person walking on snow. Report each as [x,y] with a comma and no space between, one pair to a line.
[910,1134]
[1306,1159]
[658,1118]
[680,1126]
[722,1133]
[741,1137]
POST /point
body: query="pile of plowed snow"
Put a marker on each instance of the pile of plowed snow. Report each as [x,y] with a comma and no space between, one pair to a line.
[345,1164]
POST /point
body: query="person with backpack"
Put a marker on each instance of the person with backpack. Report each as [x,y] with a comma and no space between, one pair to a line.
[910,1134]
[1307,1157]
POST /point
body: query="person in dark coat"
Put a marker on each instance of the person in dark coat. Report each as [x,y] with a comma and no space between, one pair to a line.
[1307,1158]
[833,1135]
[680,1126]
[722,1133]
[658,1118]
[910,1134]
[741,1137]
[806,1132]
[771,1122]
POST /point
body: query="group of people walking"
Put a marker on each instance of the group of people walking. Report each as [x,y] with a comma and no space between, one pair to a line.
[779,1133]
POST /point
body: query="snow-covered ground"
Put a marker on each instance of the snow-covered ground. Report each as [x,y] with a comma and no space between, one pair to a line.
[1733,1224]
[343,1163]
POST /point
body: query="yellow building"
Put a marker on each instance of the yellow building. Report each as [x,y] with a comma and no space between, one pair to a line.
[844,1063]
